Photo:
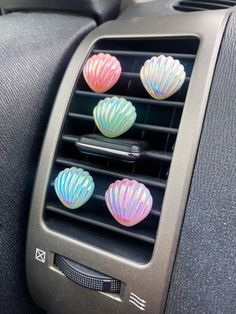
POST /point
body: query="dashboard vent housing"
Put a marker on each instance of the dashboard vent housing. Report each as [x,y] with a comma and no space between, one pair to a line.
[203,5]
[157,123]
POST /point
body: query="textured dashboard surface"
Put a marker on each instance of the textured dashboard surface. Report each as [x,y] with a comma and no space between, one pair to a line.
[34,51]
[204,277]
[151,8]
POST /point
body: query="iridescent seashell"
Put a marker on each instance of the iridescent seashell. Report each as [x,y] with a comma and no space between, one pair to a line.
[74,187]
[128,201]
[162,76]
[101,72]
[114,116]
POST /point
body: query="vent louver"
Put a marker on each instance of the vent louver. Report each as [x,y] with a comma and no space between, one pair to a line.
[203,5]
[157,123]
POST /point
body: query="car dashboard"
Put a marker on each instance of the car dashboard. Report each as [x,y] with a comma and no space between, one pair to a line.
[180,256]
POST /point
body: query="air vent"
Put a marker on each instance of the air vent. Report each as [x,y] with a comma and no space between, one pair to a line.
[203,5]
[157,124]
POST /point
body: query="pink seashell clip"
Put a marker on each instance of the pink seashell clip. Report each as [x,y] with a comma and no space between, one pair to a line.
[101,72]
[128,201]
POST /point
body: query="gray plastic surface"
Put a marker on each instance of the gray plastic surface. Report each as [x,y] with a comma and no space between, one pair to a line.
[204,276]
[149,282]
[152,8]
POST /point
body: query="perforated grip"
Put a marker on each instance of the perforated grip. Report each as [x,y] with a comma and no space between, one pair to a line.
[87,277]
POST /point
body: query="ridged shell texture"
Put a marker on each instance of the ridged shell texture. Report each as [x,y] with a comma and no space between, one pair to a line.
[114,116]
[74,187]
[128,201]
[162,76]
[101,72]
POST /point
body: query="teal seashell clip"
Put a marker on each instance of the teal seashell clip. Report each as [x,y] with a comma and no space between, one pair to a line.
[114,116]
[74,187]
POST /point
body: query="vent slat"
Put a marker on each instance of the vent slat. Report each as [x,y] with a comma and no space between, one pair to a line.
[69,138]
[229,2]
[211,5]
[133,75]
[195,5]
[152,154]
[142,126]
[109,224]
[151,140]
[204,5]
[145,54]
[158,183]
[102,199]
[156,128]
[215,2]
[165,103]
[187,8]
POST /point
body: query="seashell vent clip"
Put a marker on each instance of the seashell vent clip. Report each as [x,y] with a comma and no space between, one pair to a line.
[74,187]
[128,201]
[114,116]
[101,72]
[162,76]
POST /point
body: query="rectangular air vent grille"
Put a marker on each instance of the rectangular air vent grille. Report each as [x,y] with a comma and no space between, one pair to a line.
[203,5]
[157,123]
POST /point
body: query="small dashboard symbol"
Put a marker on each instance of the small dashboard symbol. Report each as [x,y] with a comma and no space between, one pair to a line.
[137,301]
[40,255]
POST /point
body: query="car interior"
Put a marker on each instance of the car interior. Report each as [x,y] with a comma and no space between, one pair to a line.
[118,156]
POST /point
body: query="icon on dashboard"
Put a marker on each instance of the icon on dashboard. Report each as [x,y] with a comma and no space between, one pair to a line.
[137,301]
[40,255]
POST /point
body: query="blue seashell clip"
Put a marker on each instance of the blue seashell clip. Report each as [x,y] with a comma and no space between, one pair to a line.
[74,187]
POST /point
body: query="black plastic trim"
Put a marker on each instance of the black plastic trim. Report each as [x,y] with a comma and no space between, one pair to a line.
[87,277]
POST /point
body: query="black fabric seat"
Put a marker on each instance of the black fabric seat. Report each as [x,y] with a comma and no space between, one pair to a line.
[99,10]
[34,51]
